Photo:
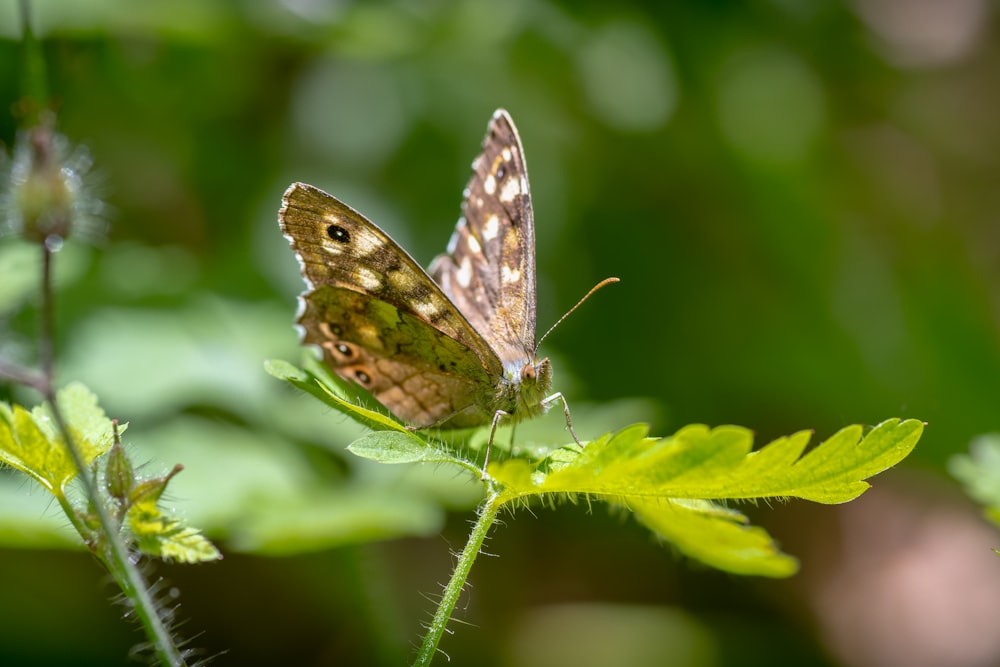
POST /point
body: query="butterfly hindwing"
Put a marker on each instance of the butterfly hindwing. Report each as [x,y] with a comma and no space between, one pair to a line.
[489,269]
[424,376]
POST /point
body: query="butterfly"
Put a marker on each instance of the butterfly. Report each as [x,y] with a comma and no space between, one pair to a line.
[453,347]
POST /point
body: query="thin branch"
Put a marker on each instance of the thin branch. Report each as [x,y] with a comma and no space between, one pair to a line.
[23,376]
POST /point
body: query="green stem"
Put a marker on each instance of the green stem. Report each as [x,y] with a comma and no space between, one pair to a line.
[487,515]
[114,555]
[116,560]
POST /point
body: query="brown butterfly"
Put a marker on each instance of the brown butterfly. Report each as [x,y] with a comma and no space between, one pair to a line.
[450,348]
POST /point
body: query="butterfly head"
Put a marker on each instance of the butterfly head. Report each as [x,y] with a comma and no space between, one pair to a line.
[533,382]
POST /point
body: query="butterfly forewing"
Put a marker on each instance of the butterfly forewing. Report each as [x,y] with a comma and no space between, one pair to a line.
[379,318]
[489,269]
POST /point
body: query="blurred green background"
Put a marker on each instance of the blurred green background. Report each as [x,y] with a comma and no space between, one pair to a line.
[801,202]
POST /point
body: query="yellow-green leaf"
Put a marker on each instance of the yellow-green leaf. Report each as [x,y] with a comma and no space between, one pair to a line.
[715,536]
[31,442]
[166,537]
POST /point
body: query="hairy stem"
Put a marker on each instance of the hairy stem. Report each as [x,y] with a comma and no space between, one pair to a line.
[115,557]
[114,554]
[487,515]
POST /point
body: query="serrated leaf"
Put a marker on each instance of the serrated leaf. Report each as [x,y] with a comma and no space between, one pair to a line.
[184,545]
[166,537]
[669,483]
[31,443]
[698,462]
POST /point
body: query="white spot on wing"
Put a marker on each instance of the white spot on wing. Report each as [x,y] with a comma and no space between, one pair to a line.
[464,273]
[506,154]
[368,279]
[474,245]
[426,309]
[401,280]
[366,243]
[510,275]
[332,246]
[510,189]
[490,185]
[453,241]
[491,228]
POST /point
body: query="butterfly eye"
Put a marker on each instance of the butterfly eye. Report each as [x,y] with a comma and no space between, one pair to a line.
[338,234]
[528,372]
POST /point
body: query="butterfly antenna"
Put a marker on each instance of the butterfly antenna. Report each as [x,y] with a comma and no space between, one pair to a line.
[606,281]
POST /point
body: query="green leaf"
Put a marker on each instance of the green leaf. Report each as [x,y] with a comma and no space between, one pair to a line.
[283,370]
[979,472]
[333,391]
[400,447]
[161,535]
[31,443]
[185,545]
[699,462]
[716,536]
[669,483]
[169,539]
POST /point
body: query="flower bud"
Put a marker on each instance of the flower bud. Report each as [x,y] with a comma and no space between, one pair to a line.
[118,475]
[45,198]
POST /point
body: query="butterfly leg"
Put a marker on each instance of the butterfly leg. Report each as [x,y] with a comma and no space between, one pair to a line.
[569,422]
[497,416]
